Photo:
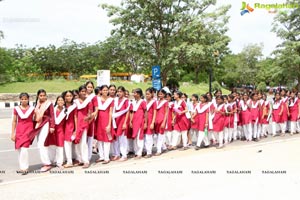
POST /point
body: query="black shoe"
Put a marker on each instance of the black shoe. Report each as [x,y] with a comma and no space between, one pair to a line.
[197,148]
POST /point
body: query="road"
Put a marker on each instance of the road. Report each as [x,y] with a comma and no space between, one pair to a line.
[235,172]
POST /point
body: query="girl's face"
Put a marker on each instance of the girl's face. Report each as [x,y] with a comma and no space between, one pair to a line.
[245,97]
[82,93]
[282,93]
[24,101]
[76,95]
[136,95]
[68,97]
[104,91]
[112,91]
[183,98]
[202,99]
[148,95]
[89,88]
[277,96]
[60,102]
[230,100]
[255,97]
[264,97]
[209,97]
[176,96]
[293,95]
[120,94]
[219,101]
[161,95]
[225,100]
[42,97]
[169,98]
[194,99]
[219,93]
[126,94]
[259,96]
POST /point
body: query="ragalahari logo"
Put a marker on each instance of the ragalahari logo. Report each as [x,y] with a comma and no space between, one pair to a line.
[246,8]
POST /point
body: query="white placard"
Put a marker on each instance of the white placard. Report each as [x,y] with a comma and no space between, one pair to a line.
[103,77]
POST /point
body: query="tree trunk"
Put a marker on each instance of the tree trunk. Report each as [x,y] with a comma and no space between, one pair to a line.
[196,80]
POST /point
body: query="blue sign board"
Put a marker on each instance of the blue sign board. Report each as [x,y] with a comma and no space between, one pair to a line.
[156,83]
[155,72]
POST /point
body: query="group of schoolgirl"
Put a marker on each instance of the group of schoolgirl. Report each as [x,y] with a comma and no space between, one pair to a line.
[108,122]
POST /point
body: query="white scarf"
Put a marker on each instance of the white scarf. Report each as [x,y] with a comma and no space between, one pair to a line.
[70,109]
[150,104]
[203,109]
[160,104]
[254,105]
[85,102]
[136,104]
[284,99]
[60,117]
[26,114]
[120,113]
[118,106]
[104,106]
[243,106]
[293,103]
[276,105]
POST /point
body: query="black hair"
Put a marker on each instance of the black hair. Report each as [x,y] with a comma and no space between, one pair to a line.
[225,96]
[150,89]
[184,94]
[82,87]
[162,91]
[195,96]
[103,86]
[38,93]
[204,96]
[65,93]
[89,82]
[97,90]
[231,96]
[220,97]
[60,96]
[75,92]
[178,93]
[122,89]
[24,94]
[217,92]
[139,91]
[112,85]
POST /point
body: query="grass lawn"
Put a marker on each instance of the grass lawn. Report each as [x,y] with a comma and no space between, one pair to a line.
[60,85]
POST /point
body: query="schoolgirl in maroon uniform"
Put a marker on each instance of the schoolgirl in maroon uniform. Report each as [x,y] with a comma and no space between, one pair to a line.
[22,125]
[171,142]
[103,124]
[246,116]
[181,122]
[56,139]
[91,97]
[285,113]
[84,118]
[138,121]
[294,110]
[194,118]
[219,120]
[264,115]
[277,111]
[151,116]
[120,118]
[70,126]
[255,109]
[202,112]
[45,125]
[162,110]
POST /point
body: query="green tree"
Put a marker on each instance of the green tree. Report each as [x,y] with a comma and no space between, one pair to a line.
[155,32]
[286,26]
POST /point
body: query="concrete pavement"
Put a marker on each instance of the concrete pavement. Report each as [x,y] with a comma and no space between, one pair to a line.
[256,170]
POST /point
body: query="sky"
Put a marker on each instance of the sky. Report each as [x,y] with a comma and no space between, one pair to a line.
[43,22]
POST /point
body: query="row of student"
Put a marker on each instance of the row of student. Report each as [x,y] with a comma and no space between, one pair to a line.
[130,126]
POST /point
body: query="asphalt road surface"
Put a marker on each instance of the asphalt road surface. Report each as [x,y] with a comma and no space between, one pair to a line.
[269,169]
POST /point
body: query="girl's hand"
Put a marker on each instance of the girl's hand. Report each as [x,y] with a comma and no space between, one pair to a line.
[124,126]
[206,125]
[108,129]
[130,125]
[13,137]
[163,125]
[52,130]
[152,126]
[192,120]
[145,126]
[280,114]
